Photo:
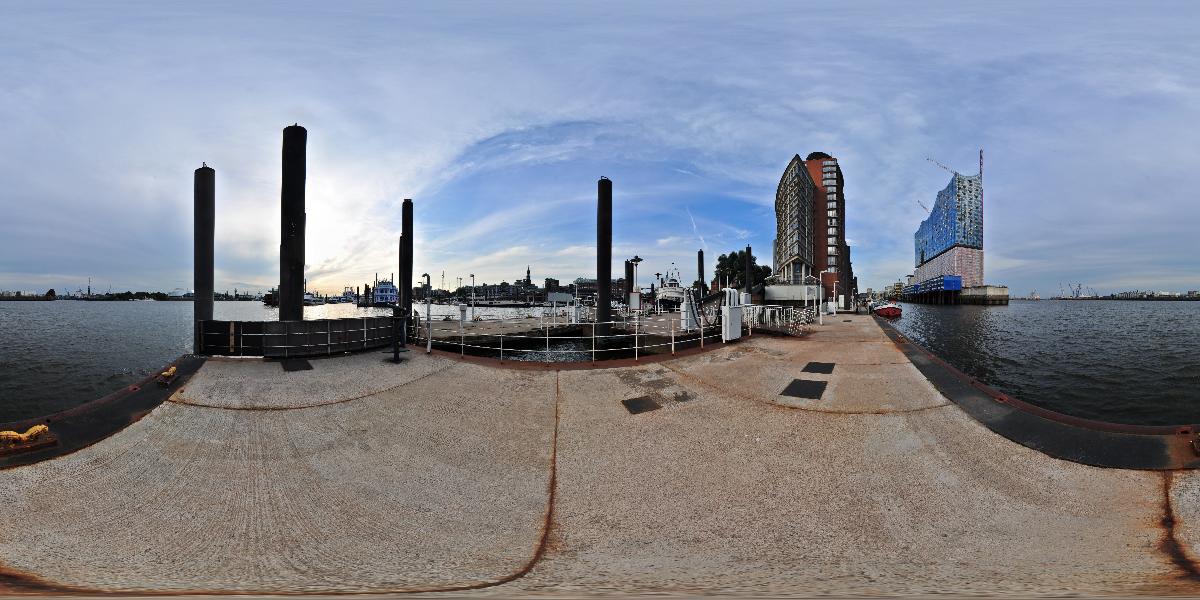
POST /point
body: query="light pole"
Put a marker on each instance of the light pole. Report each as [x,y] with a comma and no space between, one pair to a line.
[428,314]
[472,296]
[635,260]
[821,297]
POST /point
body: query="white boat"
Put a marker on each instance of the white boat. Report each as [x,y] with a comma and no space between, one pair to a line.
[670,295]
[311,299]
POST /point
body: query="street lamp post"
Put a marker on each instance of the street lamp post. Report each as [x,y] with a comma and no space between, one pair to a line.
[821,297]
[635,260]
[472,296]
[428,314]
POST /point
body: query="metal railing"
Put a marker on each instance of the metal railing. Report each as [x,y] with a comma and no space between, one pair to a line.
[789,320]
[635,336]
[283,339]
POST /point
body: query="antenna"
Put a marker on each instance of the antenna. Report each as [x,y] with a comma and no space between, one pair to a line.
[923,206]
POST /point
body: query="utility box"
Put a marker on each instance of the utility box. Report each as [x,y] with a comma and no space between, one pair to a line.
[731,315]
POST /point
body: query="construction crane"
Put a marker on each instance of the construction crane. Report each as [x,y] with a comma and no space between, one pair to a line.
[943,166]
[923,206]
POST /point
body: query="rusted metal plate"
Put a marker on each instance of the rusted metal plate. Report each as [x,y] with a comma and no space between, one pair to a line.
[823,368]
[805,388]
[640,405]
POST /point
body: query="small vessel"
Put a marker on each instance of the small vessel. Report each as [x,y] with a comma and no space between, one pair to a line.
[385,294]
[311,299]
[670,295]
[271,298]
[889,310]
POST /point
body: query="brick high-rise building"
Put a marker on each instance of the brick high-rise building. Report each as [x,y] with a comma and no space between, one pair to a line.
[810,222]
[793,245]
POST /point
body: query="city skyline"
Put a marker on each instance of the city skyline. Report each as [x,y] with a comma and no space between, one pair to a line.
[497,121]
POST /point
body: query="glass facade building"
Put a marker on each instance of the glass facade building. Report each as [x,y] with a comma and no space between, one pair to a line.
[956,220]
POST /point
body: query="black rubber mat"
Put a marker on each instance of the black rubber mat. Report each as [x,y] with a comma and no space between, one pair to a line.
[640,404]
[804,388]
[819,367]
[295,364]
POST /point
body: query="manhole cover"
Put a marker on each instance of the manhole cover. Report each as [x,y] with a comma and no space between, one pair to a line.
[804,388]
[819,367]
[640,405]
[295,364]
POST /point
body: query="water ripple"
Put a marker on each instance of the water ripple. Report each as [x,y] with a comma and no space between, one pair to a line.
[1124,362]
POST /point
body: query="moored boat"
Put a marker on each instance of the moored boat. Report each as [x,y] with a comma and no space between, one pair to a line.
[670,294]
[889,310]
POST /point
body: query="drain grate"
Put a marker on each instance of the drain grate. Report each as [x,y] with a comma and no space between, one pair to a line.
[295,364]
[640,404]
[804,388]
[819,367]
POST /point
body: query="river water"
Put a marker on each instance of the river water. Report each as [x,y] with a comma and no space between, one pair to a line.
[1126,362]
[1118,361]
[57,355]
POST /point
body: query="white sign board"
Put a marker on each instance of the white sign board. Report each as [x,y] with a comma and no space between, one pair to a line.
[791,292]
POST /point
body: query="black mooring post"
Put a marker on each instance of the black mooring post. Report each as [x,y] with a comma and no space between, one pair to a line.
[404,286]
[396,310]
[749,271]
[292,218]
[700,270]
[603,254]
[204,194]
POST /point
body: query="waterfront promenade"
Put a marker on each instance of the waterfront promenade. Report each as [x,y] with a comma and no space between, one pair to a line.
[456,475]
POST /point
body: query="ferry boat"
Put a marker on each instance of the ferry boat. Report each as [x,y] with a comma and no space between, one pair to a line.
[670,295]
[889,310]
[385,294]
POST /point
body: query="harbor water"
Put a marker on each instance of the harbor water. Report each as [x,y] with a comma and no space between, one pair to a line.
[57,355]
[1125,362]
[1118,361]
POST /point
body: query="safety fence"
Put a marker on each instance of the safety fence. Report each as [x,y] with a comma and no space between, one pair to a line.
[789,320]
[551,336]
[634,336]
[283,339]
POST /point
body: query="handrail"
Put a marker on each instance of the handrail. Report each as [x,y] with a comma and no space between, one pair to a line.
[641,327]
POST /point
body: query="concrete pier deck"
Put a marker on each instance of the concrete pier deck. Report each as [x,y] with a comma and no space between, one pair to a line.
[443,474]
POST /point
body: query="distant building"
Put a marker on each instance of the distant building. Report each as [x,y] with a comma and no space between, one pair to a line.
[831,253]
[552,285]
[810,227]
[793,245]
[950,240]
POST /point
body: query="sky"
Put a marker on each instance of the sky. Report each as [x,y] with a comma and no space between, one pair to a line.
[498,118]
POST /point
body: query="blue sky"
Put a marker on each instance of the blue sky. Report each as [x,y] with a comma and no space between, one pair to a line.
[497,119]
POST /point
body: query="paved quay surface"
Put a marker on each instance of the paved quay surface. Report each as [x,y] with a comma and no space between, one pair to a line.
[441,474]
